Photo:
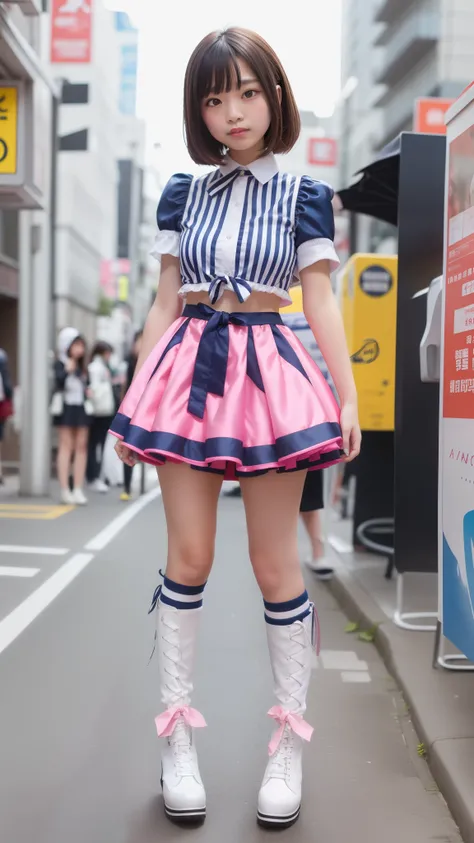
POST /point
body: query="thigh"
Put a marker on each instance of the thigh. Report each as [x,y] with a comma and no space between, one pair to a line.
[272,504]
[66,437]
[81,438]
[190,501]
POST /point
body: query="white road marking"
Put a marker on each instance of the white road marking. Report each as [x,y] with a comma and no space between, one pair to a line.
[18,572]
[340,545]
[105,536]
[41,551]
[341,660]
[355,676]
[24,614]
[21,617]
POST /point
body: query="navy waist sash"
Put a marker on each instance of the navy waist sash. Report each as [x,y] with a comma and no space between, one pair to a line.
[210,368]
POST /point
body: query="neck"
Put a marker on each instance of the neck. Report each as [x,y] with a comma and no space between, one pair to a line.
[246,156]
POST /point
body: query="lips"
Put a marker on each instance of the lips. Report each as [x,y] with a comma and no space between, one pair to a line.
[237,132]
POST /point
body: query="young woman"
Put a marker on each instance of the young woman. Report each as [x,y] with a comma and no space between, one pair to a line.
[131,366]
[223,389]
[103,402]
[73,420]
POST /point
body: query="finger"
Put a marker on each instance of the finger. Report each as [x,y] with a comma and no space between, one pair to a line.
[346,441]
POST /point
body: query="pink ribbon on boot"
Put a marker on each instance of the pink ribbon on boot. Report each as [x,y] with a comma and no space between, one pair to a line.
[166,722]
[294,721]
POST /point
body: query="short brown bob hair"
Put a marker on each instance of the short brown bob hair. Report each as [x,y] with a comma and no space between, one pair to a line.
[213,68]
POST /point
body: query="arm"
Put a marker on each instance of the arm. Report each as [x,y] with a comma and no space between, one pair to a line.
[323,315]
[60,375]
[165,309]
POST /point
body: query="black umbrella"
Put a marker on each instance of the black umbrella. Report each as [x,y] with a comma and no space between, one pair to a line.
[376,193]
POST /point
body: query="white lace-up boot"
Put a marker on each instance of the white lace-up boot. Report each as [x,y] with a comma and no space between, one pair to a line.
[183,790]
[279,800]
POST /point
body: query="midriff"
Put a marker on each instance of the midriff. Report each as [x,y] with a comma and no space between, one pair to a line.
[228,302]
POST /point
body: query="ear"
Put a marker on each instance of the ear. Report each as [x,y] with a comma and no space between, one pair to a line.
[278,90]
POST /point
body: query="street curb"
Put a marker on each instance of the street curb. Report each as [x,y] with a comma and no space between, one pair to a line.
[361,608]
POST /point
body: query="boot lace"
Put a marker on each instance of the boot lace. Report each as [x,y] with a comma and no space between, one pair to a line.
[181,744]
[280,763]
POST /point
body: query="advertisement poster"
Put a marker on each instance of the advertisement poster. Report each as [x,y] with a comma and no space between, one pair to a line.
[8,130]
[71,31]
[457,494]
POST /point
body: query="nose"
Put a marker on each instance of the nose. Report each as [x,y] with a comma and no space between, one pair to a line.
[234,112]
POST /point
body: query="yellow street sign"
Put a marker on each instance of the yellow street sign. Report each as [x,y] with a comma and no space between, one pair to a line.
[8,130]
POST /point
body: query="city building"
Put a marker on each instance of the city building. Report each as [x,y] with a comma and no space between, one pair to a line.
[426,51]
[27,97]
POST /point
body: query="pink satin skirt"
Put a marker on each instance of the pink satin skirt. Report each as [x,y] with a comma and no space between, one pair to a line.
[232,393]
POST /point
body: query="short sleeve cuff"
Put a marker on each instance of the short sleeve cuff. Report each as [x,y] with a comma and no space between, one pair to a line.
[319,249]
[166,243]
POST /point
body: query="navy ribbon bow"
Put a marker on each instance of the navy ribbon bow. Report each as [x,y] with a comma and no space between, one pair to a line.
[210,368]
[220,183]
[241,288]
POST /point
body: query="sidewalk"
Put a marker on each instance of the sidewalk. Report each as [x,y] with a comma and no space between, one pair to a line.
[440,702]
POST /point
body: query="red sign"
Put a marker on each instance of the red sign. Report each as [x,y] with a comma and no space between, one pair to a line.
[71,31]
[429,115]
[458,382]
[322,152]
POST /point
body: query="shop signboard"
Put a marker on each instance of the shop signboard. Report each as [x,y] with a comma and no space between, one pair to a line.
[456,540]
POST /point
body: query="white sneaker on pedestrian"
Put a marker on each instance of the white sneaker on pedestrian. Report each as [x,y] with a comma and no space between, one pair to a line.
[321,568]
[67,497]
[100,486]
[183,791]
[291,653]
[79,497]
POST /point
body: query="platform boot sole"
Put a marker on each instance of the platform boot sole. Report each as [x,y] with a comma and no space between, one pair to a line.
[187,816]
[275,822]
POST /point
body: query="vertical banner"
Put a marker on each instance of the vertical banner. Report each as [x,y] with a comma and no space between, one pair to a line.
[71,31]
[457,415]
[128,45]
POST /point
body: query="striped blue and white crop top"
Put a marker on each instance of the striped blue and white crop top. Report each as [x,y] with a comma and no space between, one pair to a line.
[245,229]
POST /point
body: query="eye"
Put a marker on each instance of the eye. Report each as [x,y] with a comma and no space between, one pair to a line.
[212,102]
[249,95]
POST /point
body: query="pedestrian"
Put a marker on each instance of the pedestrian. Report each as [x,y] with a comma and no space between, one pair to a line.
[312,500]
[6,403]
[104,407]
[225,388]
[131,365]
[71,411]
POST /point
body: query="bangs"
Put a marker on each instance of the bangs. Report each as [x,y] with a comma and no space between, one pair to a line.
[218,70]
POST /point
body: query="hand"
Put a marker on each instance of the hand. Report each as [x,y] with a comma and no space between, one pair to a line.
[70,365]
[125,454]
[350,431]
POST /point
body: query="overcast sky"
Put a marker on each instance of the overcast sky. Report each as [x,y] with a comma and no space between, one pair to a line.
[305,34]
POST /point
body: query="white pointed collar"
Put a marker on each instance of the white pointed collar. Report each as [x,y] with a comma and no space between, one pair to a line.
[263,169]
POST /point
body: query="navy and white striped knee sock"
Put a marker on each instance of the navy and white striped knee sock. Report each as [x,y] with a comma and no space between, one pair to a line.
[181,596]
[284,614]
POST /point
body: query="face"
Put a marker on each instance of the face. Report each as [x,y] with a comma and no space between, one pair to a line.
[240,118]
[77,349]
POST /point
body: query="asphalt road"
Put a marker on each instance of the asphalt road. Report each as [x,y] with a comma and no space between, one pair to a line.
[79,757]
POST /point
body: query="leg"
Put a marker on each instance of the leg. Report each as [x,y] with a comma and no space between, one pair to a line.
[65,450]
[312,502]
[272,503]
[127,482]
[190,503]
[312,523]
[80,461]
[93,466]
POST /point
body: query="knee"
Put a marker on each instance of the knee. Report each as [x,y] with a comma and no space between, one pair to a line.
[190,562]
[81,447]
[275,574]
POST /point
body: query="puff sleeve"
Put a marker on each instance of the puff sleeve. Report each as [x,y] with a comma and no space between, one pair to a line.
[314,228]
[169,215]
